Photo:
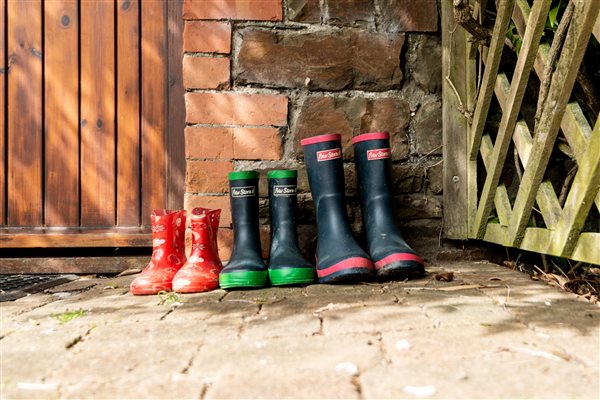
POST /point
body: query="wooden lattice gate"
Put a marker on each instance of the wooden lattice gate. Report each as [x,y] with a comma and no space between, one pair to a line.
[477,157]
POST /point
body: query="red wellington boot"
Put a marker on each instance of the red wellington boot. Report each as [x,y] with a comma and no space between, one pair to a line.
[168,254]
[201,271]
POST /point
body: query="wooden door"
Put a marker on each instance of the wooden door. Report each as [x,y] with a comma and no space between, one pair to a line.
[91,120]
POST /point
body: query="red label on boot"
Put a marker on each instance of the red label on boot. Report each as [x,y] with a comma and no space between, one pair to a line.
[326,155]
[378,154]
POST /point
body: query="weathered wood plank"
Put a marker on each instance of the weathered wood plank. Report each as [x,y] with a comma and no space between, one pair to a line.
[74,238]
[505,9]
[3,69]
[128,113]
[578,133]
[558,95]
[176,107]
[61,125]
[579,201]
[574,125]
[597,28]
[546,197]
[531,41]
[25,197]
[501,200]
[97,113]
[71,265]
[496,233]
[455,126]
[586,249]
[154,93]
[537,239]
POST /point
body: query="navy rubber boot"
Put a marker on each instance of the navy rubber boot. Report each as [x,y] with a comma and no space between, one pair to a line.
[392,256]
[339,257]
[246,268]
[287,266]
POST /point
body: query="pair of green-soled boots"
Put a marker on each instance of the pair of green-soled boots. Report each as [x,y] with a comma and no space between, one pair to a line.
[286,266]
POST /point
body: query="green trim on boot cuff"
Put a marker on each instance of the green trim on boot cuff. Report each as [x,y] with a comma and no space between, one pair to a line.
[238,175]
[282,173]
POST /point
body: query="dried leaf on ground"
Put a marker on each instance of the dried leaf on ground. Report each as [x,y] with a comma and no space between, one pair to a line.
[130,271]
[445,276]
[460,287]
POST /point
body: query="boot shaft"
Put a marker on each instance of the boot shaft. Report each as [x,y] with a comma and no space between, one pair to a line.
[324,165]
[373,169]
[243,196]
[372,158]
[283,203]
[205,225]
[168,231]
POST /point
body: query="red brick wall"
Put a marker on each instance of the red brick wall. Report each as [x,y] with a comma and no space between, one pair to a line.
[262,74]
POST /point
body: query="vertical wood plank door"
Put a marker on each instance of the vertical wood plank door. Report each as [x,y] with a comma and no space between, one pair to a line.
[89,142]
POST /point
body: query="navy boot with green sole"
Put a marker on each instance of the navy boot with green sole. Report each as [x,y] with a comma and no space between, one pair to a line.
[287,266]
[246,268]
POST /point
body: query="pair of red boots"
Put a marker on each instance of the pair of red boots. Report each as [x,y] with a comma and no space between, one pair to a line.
[168,269]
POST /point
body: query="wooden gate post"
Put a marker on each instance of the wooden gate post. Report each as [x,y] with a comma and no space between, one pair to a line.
[455,99]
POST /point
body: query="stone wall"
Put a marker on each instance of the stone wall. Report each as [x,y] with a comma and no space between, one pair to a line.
[262,74]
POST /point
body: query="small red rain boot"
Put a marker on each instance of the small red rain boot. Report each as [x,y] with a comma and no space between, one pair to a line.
[201,271]
[168,254]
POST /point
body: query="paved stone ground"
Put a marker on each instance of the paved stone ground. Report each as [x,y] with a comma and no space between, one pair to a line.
[489,333]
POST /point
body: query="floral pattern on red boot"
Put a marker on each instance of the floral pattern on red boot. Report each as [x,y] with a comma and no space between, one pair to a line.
[201,271]
[168,253]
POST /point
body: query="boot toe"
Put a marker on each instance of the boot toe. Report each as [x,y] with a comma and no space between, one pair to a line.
[352,269]
[191,285]
[400,266]
[145,285]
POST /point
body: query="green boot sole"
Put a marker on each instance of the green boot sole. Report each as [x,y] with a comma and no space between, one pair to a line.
[291,276]
[243,279]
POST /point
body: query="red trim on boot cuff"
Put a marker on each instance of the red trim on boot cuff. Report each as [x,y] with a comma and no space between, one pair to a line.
[329,137]
[352,262]
[370,136]
[397,257]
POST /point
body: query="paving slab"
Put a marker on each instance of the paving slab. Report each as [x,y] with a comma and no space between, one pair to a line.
[490,332]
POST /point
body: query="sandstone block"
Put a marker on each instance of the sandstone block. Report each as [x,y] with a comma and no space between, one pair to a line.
[350,116]
[307,11]
[351,59]
[427,67]
[428,128]
[351,12]
[409,15]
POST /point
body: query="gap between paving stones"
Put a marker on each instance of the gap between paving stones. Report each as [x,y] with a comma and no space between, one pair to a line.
[356,341]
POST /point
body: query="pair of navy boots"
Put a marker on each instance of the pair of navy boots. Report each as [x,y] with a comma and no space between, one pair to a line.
[339,257]
[286,265]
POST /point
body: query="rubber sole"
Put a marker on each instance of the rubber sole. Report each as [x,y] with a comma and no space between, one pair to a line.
[401,270]
[291,276]
[243,279]
[358,274]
